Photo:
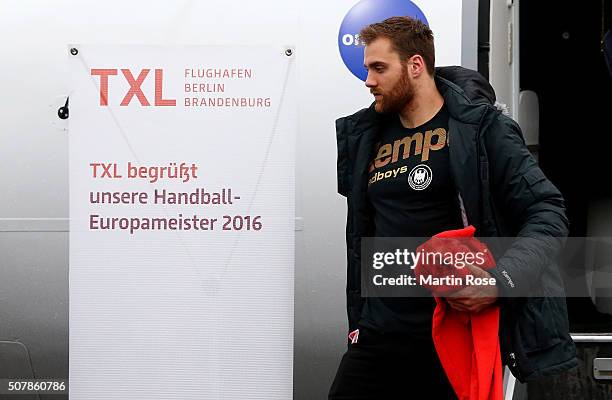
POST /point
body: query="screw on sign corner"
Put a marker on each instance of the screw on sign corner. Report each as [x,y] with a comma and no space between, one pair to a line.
[63,112]
[288,52]
[74,51]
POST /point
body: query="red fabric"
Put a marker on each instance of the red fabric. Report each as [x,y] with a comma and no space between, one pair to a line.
[467,343]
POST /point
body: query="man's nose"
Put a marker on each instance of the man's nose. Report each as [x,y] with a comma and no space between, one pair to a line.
[370,82]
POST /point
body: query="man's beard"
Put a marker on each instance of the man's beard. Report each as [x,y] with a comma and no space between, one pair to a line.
[397,98]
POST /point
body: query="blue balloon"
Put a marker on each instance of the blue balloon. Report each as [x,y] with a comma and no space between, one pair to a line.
[364,13]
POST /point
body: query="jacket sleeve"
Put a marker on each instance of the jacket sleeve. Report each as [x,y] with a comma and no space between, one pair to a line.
[354,301]
[534,206]
[342,161]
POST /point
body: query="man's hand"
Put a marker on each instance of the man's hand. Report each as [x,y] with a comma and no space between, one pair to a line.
[473,298]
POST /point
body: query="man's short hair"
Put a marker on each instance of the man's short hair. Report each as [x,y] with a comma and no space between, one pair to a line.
[409,36]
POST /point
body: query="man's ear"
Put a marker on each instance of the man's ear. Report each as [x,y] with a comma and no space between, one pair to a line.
[416,66]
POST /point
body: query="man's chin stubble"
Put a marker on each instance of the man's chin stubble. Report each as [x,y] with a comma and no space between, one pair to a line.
[380,108]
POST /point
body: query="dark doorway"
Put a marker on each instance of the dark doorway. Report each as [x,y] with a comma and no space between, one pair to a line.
[563,62]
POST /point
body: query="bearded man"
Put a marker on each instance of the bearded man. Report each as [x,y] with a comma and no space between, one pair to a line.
[431,155]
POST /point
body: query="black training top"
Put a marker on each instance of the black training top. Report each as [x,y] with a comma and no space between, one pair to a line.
[413,195]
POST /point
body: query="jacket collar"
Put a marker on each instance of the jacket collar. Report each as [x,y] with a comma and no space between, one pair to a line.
[459,106]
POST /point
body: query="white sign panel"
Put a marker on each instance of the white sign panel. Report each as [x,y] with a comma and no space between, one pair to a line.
[181,222]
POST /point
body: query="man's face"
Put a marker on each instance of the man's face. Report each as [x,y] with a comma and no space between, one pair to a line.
[388,78]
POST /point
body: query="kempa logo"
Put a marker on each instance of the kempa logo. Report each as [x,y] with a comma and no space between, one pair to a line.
[364,13]
[415,144]
[420,177]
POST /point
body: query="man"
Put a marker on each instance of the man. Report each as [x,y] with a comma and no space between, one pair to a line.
[477,171]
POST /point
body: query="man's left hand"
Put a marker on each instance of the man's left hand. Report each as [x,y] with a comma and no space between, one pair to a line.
[474,298]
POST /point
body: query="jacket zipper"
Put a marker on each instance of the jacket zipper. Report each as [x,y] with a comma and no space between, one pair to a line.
[513,358]
[515,370]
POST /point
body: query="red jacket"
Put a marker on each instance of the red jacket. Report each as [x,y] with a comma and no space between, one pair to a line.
[467,343]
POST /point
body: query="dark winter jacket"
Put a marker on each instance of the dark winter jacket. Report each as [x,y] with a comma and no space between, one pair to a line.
[502,192]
